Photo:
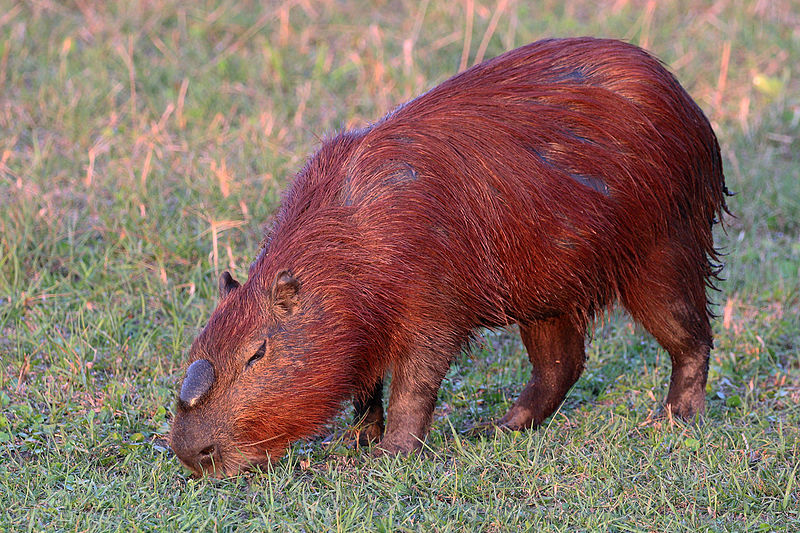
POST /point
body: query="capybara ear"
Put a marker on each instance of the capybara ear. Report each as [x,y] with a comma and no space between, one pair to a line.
[284,292]
[227,284]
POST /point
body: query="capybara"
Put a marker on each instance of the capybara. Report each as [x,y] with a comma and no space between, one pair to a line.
[538,188]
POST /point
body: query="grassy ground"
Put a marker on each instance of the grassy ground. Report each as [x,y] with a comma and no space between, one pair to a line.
[144,144]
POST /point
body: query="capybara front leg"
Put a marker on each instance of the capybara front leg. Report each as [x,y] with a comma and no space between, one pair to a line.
[556,351]
[369,415]
[414,388]
[669,300]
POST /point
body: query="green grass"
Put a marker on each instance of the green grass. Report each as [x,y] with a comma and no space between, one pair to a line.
[144,145]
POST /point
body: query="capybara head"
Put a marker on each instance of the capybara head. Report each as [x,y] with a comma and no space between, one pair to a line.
[284,350]
[243,380]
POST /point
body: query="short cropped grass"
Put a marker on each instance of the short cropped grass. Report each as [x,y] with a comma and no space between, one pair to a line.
[143,146]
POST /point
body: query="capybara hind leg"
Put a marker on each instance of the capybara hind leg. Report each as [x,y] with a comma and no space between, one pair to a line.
[669,300]
[556,351]
[369,416]
[414,388]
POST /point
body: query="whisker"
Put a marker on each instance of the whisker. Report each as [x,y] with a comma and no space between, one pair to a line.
[253,444]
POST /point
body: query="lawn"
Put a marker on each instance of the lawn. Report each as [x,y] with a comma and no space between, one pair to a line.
[144,145]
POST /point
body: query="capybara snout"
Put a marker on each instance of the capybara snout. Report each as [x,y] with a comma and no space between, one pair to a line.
[538,188]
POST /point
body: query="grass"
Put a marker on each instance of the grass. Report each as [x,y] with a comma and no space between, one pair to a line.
[144,145]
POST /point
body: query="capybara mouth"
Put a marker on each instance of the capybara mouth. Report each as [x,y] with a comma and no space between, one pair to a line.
[226,465]
[218,469]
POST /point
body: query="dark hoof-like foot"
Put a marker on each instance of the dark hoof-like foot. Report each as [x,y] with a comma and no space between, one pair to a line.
[686,403]
[368,434]
[358,437]
[685,413]
[391,447]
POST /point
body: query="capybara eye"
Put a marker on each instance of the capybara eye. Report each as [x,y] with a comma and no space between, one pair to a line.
[258,355]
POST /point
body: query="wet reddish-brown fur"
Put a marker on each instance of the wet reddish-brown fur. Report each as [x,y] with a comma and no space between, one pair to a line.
[536,188]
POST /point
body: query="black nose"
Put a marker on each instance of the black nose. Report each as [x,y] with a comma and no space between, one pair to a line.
[208,458]
[208,451]
[201,459]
